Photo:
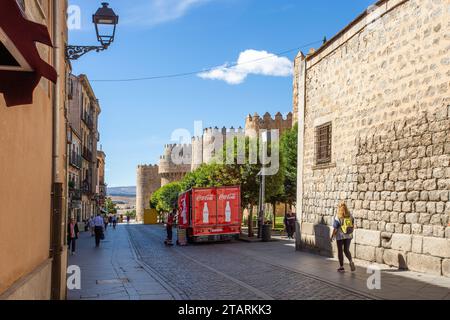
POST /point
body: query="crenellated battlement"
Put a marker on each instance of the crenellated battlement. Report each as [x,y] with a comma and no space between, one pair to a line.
[147,166]
[267,119]
[256,123]
[203,149]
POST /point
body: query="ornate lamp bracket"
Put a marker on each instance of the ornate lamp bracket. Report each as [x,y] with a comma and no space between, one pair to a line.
[75,52]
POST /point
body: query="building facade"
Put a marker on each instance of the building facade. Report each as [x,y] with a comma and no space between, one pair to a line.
[101,191]
[374,132]
[33,184]
[74,174]
[84,113]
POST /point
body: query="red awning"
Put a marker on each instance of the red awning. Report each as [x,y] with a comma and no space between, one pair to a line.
[18,86]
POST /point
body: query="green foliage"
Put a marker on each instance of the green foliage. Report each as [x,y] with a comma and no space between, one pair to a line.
[246,175]
[289,151]
[166,198]
[110,206]
[131,214]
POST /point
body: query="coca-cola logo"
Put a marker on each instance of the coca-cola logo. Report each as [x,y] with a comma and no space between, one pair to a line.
[208,197]
[230,196]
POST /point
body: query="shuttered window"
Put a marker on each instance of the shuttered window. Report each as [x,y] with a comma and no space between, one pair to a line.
[323,144]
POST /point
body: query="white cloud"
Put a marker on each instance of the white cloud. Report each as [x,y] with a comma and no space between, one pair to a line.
[154,12]
[251,62]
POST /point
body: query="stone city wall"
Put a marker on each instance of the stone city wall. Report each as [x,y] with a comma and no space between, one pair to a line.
[148,181]
[384,86]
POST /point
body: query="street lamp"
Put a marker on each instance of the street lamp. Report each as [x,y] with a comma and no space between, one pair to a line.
[105,21]
[262,186]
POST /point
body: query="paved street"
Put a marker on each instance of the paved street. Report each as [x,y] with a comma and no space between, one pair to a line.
[133,263]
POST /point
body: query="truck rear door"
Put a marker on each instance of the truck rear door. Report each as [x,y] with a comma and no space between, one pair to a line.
[204,210]
[229,209]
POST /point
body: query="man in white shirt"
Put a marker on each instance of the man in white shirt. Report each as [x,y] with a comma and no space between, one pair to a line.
[98,229]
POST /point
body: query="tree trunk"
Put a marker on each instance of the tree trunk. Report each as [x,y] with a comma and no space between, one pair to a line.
[250,222]
[274,205]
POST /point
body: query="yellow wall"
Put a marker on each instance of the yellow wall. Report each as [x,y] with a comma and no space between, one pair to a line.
[26,177]
[150,216]
[25,186]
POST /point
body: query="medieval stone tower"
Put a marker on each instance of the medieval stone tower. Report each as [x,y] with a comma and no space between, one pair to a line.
[148,181]
[206,147]
[175,162]
[254,124]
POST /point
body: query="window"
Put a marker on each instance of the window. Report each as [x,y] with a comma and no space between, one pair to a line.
[323,144]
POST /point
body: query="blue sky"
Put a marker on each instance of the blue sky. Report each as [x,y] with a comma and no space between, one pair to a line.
[161,37]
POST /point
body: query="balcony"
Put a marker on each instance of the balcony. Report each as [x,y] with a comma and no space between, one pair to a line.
[87,188]
[88,120]
[75,194]
[87,154]
[75,160]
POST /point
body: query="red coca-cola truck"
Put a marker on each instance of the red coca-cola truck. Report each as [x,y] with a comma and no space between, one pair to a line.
[210,214]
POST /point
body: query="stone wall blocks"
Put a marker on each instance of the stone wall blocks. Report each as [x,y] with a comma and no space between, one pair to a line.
[416,228]
[412,217]
[438,247]
[424,263]
[417,244]
[365,252]
[395,258]
[368,237]
[443,184]
[438,231]
[446,267]
[401,242]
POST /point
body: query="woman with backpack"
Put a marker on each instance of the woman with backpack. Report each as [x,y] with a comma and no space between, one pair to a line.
[344,225]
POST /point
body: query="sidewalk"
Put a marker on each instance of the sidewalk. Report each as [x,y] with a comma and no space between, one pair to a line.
[395,284]
[112,272]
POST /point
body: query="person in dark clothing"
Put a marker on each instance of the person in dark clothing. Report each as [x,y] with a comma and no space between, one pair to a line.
[291,223]
[72,235]
[286,224]
[169,226]
[106,222]
[114,222]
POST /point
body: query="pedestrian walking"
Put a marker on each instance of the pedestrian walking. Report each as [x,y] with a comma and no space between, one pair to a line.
[169,227]
[72,235]
[106,222]
[98,229]
[114,221]
[92,226]
[286,224]
[128,219]
[291,220]
[344,225]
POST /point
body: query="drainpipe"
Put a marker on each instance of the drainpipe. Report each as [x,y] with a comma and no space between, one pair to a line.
[301,135]
[57,220]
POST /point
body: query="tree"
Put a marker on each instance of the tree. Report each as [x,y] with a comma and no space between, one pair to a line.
[166,197]
[110,206]
[131,214]
[289,150]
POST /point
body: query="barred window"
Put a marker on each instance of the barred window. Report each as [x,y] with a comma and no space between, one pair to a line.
[323,144]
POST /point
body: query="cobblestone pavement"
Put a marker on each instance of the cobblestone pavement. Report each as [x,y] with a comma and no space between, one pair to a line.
[221,272]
